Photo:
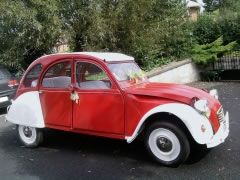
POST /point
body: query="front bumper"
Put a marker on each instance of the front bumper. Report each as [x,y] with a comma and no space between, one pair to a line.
[221,134]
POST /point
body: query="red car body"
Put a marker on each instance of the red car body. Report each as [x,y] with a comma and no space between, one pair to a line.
[120,111]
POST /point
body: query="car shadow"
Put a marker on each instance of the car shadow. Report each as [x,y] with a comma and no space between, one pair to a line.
[198,152]
[85,144]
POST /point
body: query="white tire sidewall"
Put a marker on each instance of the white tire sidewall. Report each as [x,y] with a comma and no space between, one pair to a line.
[164,156]
[27,140]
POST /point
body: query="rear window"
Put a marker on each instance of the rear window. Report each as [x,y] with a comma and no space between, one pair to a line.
[4,73]
[32,76]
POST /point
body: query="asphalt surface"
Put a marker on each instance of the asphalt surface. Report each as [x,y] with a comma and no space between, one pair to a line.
[72,156]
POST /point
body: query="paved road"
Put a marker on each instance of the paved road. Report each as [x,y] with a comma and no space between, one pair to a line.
[71,156]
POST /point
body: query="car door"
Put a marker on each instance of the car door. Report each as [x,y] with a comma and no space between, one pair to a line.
[100,107]
[55,95]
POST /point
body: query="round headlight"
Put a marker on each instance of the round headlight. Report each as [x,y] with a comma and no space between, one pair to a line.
[202,107]
[214,93]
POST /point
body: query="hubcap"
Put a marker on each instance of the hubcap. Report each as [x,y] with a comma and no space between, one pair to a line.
[27,134]
[164,144]
[27,131]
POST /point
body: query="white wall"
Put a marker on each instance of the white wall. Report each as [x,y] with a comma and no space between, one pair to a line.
[182,74]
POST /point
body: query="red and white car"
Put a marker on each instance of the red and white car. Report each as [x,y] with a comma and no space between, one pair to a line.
[105,94]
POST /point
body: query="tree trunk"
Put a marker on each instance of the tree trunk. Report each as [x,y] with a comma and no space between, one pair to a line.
[79,43]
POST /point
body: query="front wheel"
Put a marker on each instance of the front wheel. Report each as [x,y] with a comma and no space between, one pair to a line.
[31,137]
[167,143]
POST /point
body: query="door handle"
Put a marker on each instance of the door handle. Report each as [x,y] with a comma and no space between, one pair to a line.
[40,91]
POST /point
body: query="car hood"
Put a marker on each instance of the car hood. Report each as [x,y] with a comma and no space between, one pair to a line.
[176,92]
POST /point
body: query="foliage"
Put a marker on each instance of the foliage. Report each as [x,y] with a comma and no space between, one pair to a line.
[206,29]
[229,6]
[212,5]
[222,22]
[230,27]
[148,30]
[207,53]
[222,5]
[211,75]
[155,32]
[81,22]
[28,29]
[171,32]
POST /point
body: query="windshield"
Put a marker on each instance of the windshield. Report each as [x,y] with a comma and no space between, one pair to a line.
[127,73]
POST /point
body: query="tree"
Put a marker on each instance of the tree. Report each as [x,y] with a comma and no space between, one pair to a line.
[230,28]
[212,5]
[222,5]
[81,22]
[166,32]
[146,29]
[28,29]
[222,22]
[149,30]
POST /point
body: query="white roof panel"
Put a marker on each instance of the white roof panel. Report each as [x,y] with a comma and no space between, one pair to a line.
[107,56]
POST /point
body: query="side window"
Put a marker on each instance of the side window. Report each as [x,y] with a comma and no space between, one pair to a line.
[31,79]
[90,76]
[58,76]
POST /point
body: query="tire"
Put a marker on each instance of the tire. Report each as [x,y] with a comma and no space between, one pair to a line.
[167,144]
[30,137]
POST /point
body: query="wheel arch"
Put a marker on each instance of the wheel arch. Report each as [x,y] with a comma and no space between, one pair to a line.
[182,115]
[26,110]
[166,117]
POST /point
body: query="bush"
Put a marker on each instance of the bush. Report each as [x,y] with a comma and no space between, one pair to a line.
[207,53]
[213,25]
[230,28]
[206,29]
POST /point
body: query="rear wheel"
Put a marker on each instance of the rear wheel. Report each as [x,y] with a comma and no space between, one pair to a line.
[30,136]
[167,143]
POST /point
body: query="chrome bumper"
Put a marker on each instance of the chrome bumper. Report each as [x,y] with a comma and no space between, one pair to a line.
[221,134]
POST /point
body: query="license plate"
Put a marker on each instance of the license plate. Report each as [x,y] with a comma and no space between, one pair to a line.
[3,99]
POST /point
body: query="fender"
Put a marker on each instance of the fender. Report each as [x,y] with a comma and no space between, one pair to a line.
[26,110]
[192,119]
